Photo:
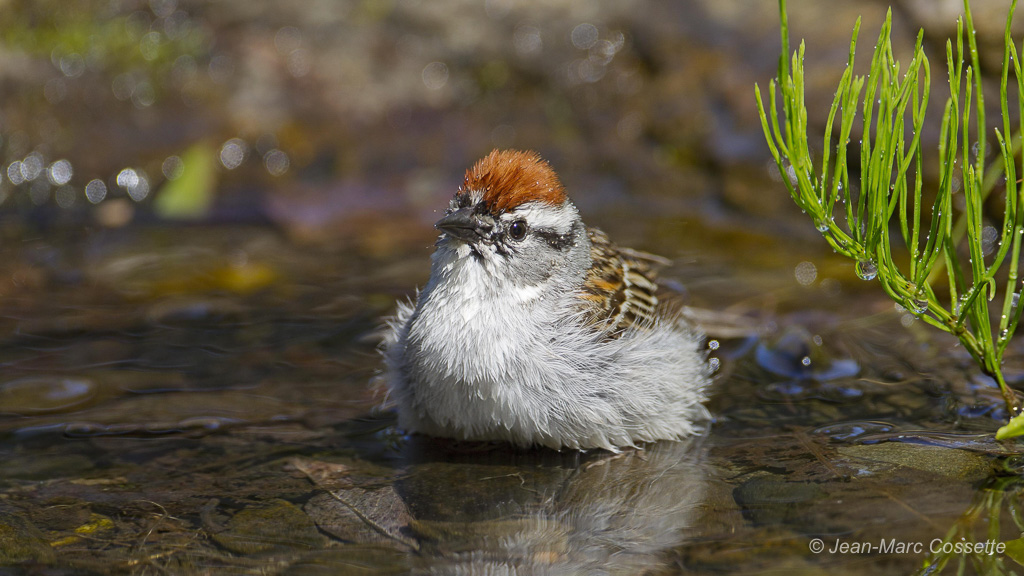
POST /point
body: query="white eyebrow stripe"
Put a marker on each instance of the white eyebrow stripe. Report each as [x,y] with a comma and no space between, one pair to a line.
[556,218]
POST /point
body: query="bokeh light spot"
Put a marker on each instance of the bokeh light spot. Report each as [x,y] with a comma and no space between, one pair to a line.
[276,161]
[584,36]
[127,178]
[806,273]
[32,166]
[95,191]
[172,167]
[527,41]
[435,75]
[232,153]
[65,197]
[60,172]
[14,173]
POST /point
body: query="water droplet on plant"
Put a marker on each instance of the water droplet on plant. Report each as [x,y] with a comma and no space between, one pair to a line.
[866,270]
[822,226]
[919,305]
[806,361]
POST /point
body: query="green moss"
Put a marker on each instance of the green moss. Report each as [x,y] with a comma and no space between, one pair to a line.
[20,541]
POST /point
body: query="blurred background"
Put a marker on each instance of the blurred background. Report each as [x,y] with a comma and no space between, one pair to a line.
[352,122]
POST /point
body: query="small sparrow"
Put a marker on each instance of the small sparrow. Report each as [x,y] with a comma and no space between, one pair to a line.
[535,329]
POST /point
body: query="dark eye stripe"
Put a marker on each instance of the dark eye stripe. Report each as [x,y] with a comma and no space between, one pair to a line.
[554,239]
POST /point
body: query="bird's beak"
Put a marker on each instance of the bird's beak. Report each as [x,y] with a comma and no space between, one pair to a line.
[466,225]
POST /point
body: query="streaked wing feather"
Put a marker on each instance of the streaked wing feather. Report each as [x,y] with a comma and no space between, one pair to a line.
[620,288]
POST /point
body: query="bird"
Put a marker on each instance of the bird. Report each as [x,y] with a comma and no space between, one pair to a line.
[536,330]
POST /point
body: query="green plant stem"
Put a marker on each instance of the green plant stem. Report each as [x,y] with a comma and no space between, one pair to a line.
[891,184]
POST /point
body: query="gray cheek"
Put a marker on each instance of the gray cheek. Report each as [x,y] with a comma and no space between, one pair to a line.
[534,264]
[538,263]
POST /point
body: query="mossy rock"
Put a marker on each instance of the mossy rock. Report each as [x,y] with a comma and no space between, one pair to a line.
[277,525]
[20,541]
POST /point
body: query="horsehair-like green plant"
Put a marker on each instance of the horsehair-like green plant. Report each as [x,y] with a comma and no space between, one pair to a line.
[891,185]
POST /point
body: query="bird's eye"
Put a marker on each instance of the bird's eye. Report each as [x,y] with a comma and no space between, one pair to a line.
[517,231]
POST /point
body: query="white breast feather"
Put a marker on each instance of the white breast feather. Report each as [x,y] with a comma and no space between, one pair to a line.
[529,370]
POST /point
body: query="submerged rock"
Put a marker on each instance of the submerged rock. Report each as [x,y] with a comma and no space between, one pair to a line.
[21,541]
[278,525]
[951,463]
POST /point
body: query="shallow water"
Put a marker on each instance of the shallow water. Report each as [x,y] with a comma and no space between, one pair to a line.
[158,419]
[206,217]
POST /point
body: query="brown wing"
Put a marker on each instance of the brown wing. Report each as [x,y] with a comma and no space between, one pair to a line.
[619,290]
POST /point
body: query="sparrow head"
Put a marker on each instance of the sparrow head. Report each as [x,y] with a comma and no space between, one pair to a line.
[512,214]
